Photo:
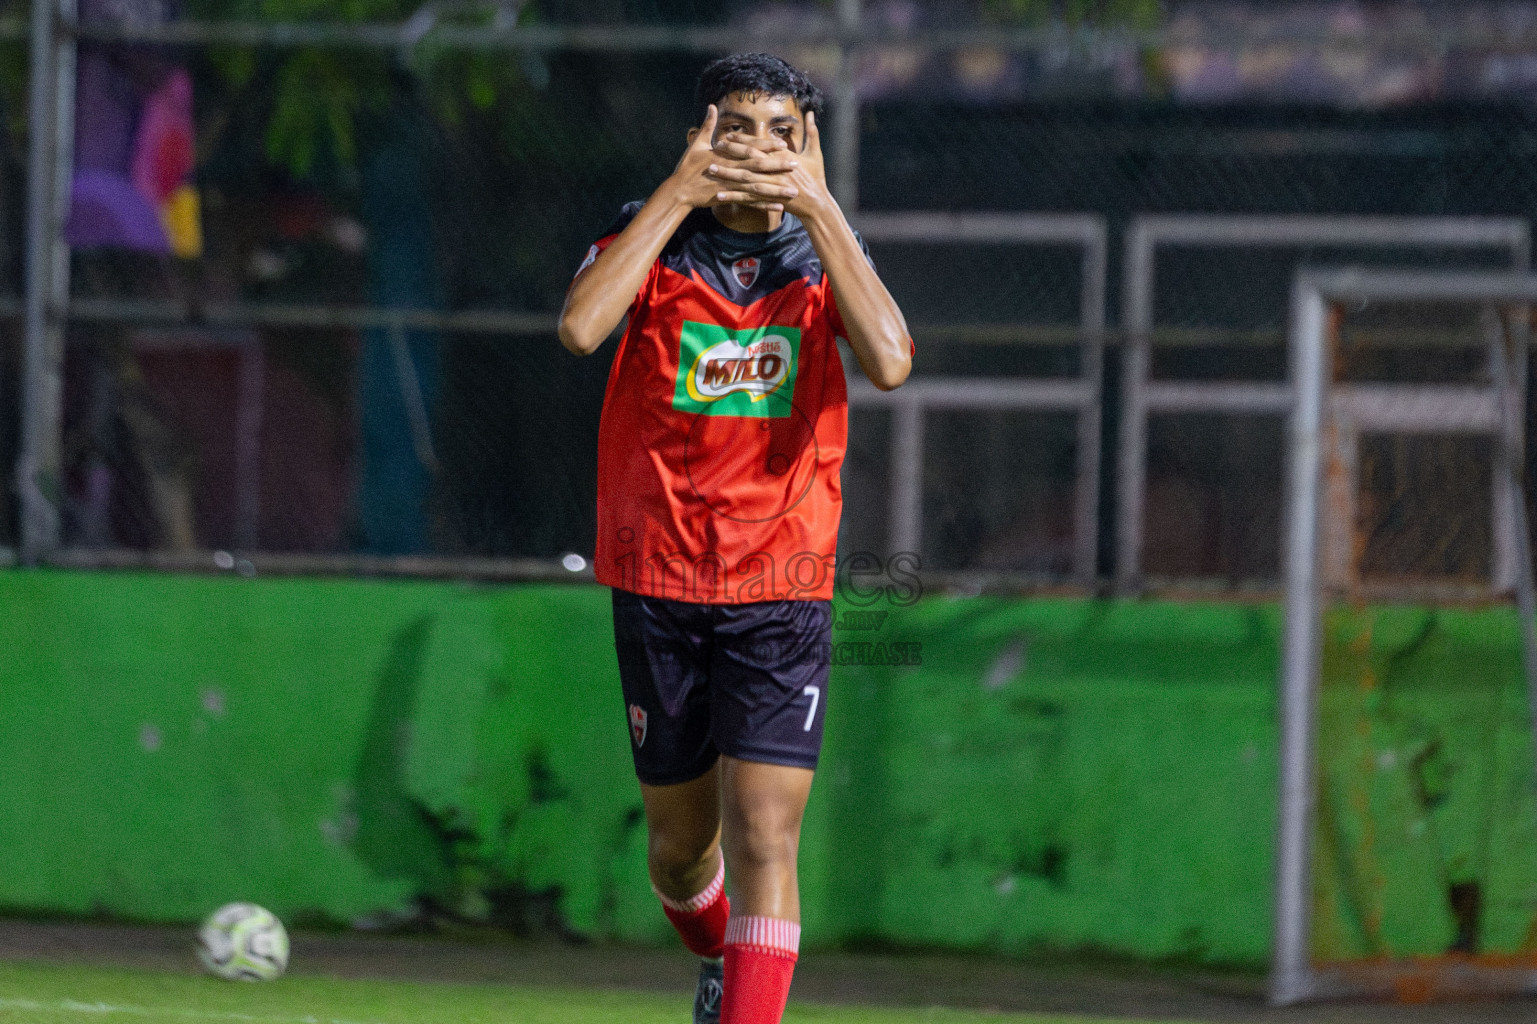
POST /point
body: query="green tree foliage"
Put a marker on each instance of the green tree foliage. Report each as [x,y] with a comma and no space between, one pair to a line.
[319,96]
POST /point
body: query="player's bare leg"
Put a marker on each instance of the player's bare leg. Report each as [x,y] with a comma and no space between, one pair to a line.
[683,835]
[761,810]
[688,874]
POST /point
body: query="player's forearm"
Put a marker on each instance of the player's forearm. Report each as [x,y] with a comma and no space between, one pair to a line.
[877,331]
[601,295]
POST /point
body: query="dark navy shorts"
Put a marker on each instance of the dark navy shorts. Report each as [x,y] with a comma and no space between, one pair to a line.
[701,680]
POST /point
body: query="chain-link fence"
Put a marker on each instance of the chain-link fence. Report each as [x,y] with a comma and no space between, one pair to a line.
[261,398]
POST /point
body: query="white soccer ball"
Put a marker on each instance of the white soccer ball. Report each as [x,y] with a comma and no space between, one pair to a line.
[243,942]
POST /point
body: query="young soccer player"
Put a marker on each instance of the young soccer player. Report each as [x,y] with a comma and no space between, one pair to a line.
[723,432]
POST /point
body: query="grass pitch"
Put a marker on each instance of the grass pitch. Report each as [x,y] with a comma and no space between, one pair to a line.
[67,994]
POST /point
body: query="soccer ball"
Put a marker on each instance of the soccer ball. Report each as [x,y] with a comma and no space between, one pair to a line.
[243,942]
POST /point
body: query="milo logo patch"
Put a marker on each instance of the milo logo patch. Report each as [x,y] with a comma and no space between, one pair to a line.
[735,373]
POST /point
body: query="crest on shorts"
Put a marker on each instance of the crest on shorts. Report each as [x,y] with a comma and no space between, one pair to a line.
[746,271]
[638,724]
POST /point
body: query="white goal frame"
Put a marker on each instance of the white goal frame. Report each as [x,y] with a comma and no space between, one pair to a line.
[1319,405]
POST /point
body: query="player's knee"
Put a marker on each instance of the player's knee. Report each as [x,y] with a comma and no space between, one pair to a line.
[764,833]
[674,855]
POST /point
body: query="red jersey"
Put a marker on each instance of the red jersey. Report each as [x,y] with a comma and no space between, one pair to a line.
[725,421]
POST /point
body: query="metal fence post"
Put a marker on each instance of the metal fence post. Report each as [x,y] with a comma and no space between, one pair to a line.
[1301,646]
[905,530]
[1136,363]
[845,111]
[49,166]
[1092,372]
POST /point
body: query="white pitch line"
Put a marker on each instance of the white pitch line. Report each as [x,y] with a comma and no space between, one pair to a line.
[74,1006]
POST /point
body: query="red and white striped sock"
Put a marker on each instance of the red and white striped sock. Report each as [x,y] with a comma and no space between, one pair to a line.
[760,961]
[701,920]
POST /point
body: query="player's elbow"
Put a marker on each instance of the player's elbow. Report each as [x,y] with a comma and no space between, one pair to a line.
[891,372]
[576,337]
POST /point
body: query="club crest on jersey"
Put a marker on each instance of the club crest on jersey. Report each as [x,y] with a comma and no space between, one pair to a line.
[638,724]
[746,271]
[737,373]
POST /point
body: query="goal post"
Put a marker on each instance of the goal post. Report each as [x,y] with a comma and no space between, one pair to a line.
[1327,418]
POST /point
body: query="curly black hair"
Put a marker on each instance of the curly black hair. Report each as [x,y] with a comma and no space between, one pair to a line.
[757,74]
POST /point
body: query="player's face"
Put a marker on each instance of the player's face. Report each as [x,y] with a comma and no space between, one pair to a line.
[759,116]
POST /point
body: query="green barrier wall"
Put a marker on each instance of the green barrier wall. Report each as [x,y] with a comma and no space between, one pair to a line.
[1058,773]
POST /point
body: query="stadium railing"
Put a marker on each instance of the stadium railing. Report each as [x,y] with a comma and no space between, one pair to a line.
[1144,396]
[47,307]
[1079,395]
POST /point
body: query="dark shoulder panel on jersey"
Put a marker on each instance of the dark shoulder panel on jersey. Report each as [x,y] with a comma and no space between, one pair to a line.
[627,213]
[740,266]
